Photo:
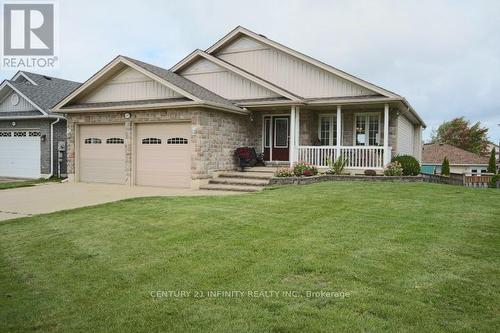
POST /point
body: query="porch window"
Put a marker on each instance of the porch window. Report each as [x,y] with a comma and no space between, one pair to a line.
[328,129]
[366,129]
[281,132]
[267,132]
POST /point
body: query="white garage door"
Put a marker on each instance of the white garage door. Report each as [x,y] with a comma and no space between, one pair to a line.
[163,154]
[20,154]
[102,154]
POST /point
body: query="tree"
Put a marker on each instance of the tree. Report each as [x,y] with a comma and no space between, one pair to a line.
[459,133]
[492,164]
[445,167]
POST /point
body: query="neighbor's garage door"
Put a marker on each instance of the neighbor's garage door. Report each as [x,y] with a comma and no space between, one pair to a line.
[20,154]
[163,154]
[102,154]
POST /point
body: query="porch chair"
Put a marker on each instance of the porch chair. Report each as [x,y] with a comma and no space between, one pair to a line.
[247,157]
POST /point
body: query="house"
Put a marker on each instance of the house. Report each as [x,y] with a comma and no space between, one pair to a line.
[32,138]
[461,161]
[135,123]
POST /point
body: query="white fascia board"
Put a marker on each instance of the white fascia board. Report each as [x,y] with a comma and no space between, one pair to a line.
[20,73]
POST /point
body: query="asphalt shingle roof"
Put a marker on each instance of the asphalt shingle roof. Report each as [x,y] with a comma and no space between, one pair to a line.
[48,91]
[435,153]
[183,83]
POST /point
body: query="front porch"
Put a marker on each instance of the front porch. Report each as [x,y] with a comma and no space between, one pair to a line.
[363,135]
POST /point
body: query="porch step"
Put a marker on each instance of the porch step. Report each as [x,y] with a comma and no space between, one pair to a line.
[226,187]
[240,181]
[246,174]
[266,169]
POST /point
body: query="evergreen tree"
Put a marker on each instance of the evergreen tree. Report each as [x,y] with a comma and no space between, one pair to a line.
[445,167]
[492,165]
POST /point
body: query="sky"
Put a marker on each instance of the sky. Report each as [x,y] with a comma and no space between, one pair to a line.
[443,56]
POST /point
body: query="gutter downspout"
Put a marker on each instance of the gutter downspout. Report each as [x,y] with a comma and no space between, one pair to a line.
[52,147]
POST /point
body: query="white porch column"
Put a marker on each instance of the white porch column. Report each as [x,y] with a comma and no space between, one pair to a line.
[292,140]
[339,129]
[386,135]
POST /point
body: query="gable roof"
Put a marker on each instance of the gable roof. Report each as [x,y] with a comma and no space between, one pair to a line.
[241,31]
[191,90]
[196,54]
[42,91]
[435,153]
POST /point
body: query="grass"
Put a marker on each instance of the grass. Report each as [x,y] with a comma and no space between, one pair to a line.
[27,183]
[407,257]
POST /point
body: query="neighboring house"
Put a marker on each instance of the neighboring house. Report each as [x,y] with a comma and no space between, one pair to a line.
[461,161]
[30,134]
[135,123]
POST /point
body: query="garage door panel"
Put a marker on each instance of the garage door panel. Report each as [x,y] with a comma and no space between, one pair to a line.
[167,163]
[20,155]
[100,160]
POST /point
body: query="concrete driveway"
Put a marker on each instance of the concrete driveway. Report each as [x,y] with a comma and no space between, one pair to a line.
[52,197]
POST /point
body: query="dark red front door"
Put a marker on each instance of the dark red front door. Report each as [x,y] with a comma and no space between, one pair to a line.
[276,138]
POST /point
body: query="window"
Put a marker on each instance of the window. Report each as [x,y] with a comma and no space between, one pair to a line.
[267,132]
[19,134]
[34,133]
[5,134]
[366,129]
[151,141]
[328,129]
[281,132]
[114,141]
[177,141]
[92,141]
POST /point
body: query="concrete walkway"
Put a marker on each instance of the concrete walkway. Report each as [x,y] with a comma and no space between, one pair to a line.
[52,197]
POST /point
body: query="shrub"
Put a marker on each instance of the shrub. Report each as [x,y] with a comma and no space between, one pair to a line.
[284,172]
[338,166]
[445,167]
[492,164]
[304,169]
[410,165]
[393,169]
[494,180]
[370,173]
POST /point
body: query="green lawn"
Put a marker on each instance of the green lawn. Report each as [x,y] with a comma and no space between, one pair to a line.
[26,183]
[408,257]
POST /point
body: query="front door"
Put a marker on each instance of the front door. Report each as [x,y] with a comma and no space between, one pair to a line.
[276,138]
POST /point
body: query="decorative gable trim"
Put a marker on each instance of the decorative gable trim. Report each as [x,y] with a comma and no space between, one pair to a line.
[100,74]
[8,84]
[238,31]
[199,53]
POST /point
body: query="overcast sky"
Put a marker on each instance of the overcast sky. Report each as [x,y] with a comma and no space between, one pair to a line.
[443,56]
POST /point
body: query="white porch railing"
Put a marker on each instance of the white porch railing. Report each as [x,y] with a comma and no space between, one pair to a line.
[357,157]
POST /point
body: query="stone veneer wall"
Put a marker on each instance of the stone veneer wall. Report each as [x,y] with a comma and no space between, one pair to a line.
[215,136]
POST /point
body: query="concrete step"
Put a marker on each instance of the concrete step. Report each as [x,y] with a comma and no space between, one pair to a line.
[239,181]
[236,188]
[265,169]
[248,175]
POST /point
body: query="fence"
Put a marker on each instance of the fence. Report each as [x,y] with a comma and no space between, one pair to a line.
[480,181]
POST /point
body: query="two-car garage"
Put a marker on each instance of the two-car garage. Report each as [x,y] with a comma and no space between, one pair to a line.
[159,156]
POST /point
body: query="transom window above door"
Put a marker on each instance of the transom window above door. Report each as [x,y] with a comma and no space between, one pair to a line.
[367,129]
[327,131]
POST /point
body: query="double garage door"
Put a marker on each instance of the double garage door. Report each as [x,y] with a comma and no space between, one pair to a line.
[20,153]
[161,157]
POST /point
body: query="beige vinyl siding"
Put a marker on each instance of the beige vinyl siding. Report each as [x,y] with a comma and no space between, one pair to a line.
[164,154]
[102,162]
[130,85]
[284,70]
[223,82]
[417,143]
[406,136]
[23,105]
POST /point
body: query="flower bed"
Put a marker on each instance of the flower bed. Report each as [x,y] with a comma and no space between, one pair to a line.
[325,177]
